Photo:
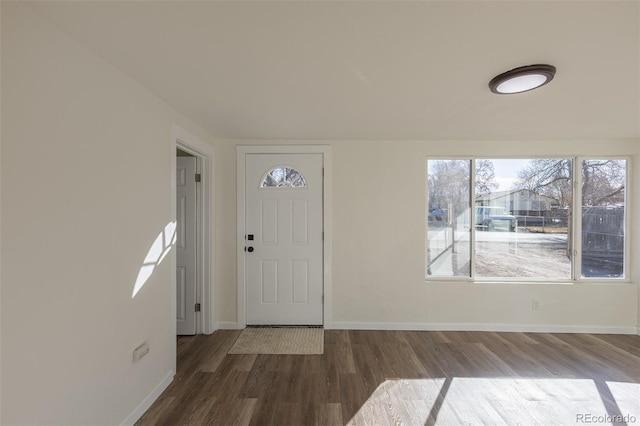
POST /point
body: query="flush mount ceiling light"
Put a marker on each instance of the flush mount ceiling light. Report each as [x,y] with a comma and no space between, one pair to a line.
[522,79]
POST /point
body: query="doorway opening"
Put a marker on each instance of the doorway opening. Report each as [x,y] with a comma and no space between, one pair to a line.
[193,286]
[188,225]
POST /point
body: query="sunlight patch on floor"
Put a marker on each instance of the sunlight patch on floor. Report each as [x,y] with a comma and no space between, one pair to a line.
[498,401]
[627,396]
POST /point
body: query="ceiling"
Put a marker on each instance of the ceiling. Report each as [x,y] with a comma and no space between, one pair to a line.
[371,69]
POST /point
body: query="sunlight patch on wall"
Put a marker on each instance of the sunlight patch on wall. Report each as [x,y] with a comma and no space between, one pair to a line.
[159,249]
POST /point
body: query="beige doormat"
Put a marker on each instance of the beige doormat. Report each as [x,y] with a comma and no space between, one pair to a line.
[281,341]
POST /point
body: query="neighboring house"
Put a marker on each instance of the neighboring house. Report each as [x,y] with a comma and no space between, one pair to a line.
[519,202]
[531,208]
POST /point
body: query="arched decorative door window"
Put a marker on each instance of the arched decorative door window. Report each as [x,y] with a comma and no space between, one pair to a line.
[283,177]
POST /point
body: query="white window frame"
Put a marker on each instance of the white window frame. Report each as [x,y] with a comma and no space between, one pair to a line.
[576,224]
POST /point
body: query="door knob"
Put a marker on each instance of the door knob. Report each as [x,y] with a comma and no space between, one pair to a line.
[249,249]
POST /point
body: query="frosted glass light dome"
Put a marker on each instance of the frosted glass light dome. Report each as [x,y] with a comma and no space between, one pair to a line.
[522,79]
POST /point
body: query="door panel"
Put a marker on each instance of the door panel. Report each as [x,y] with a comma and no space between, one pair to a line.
[269,221]
[299,222]
[300,281]
[284,275]
[186,245]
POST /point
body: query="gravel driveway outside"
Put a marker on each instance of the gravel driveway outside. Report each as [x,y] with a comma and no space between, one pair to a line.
[507,255]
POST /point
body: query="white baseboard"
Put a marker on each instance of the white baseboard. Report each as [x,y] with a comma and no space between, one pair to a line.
[150,399]
[227,325]
[524,328]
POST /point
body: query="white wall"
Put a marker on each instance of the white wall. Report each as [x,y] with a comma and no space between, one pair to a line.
[635,228]
[379,247]
[0,218]
[86,178]
[78,217]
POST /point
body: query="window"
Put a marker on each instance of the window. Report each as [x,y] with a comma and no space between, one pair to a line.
[512,219]
[522,209]
[283,177]
[603,217]
[448,218]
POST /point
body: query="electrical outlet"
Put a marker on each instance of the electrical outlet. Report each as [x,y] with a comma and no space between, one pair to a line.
[535,305]
[140,351]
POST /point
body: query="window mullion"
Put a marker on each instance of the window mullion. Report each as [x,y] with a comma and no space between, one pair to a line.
[576,237]
[628,202]
[472,218]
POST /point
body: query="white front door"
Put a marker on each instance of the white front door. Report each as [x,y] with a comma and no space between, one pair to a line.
[186,245]
[283,241]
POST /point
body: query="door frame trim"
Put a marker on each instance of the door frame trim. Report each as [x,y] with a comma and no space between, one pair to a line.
[205,257]
[327,196]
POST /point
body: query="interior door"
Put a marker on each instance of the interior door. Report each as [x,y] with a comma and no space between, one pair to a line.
[283,241]
[186,245]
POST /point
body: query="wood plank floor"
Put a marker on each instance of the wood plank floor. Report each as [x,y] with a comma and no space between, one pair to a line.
[409,378]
